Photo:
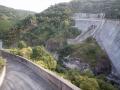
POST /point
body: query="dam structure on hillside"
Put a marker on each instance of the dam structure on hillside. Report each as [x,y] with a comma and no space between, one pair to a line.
[105,31]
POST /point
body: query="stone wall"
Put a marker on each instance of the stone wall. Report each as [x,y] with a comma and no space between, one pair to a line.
[58,83]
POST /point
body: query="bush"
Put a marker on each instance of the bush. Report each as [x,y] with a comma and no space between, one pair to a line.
[22,44]
[2,62]
[87,73]
[83,82]
[14,51]
[50,62]
[89,84]
[73,76]
[37,52]
[105,85]
[41,56]
[25,52]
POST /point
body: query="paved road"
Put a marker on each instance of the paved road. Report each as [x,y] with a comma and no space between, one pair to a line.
[20,77]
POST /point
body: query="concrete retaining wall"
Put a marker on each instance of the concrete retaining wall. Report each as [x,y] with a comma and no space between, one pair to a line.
[58,83]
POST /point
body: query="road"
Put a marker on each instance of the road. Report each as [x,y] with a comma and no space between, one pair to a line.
[20,77]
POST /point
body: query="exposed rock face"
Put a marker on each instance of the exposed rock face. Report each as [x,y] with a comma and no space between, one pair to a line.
[75,63]
[102,66]
[107,36]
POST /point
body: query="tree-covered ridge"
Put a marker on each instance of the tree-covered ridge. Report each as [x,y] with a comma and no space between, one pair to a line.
[55,22]
[52,24]
[9,17]
[13,14]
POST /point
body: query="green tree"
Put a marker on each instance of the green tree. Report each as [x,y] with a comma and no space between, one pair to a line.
[41,56]
[105,85]
[89,84]
[37,52]
[22,44]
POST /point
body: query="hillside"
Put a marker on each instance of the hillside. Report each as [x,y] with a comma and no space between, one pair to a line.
[51,29]
[13,14]
[52,25]
[56,19]
[10,16]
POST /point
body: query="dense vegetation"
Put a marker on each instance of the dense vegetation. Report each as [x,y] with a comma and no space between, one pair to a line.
[9,17]
[37,54]
[86,79]
[50,29]
[53,25]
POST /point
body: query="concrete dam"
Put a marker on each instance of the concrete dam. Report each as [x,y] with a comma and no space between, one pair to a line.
[105,31]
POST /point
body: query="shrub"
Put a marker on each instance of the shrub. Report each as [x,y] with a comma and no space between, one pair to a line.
[41,56]
[25,52]
[89,84]
[73,76]
[22,44]
[2,62]
[105,85]
[37,52]
[87,73]
[50,62]
[83,82]
[14,51]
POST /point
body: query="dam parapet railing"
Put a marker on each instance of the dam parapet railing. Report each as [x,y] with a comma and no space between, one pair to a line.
[57,82]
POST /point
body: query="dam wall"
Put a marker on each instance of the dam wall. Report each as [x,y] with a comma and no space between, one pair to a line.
[107,35]
[88,15]
[85,20]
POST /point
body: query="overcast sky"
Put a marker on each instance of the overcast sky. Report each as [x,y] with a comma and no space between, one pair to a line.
[32,5]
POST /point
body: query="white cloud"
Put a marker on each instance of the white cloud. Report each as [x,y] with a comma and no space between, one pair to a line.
[33,5]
